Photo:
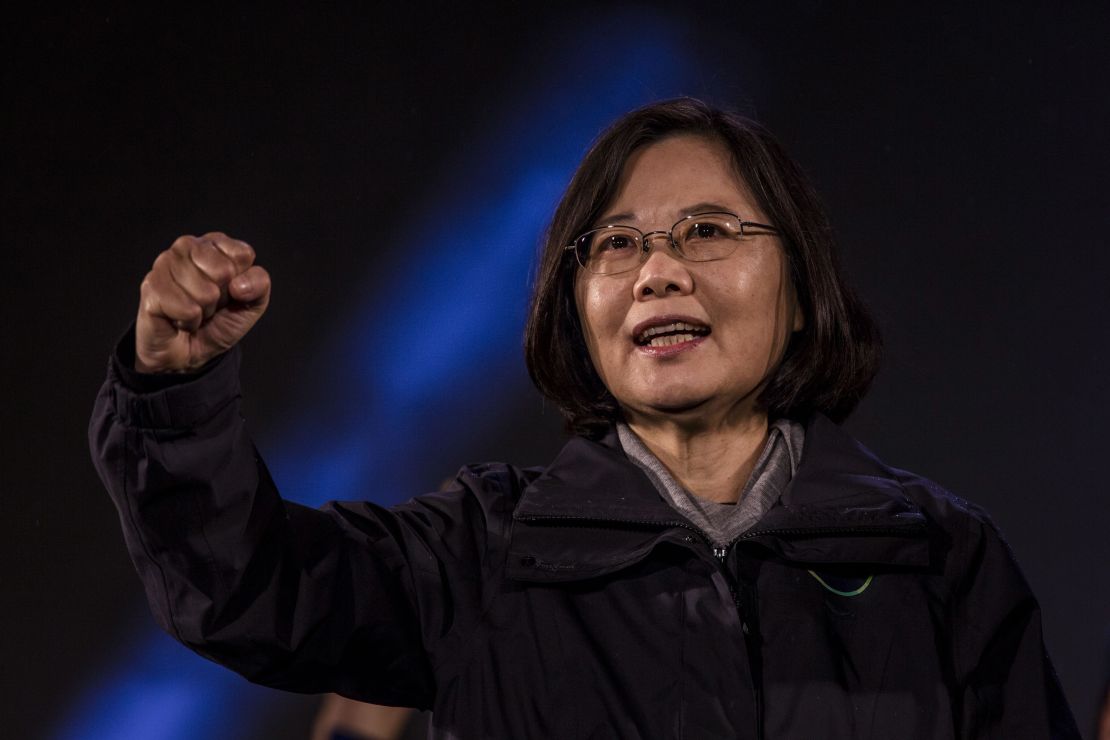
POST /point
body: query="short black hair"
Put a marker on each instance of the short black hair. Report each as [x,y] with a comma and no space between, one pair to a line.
[827,366]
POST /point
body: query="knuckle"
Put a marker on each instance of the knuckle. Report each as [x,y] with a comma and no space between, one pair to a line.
[214,265]
[161,260]
[150,302]
[150,296]
[183,243]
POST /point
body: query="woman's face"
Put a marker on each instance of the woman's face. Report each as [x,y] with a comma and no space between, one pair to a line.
[745,301]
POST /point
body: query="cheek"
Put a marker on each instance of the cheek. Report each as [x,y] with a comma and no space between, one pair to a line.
[589,321]
[757,304]
[600,315]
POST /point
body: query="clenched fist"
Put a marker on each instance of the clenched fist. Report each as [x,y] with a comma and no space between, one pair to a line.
[202,296]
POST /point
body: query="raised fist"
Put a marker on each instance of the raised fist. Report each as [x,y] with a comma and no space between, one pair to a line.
[202,295]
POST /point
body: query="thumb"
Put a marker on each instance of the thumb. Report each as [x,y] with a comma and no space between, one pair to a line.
[250,287]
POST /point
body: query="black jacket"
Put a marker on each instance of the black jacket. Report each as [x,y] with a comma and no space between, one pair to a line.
[573,602]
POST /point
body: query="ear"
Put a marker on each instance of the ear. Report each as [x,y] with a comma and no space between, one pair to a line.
[799,317]
[794,303]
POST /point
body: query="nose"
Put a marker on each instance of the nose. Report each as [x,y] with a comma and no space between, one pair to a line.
[662,273]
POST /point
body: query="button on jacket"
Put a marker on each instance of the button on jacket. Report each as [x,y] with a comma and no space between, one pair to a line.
[572,601]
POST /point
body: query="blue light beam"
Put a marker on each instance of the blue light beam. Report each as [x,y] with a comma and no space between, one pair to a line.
[451,323]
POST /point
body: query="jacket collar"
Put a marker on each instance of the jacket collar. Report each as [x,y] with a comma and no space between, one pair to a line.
[842,506]
[597,481]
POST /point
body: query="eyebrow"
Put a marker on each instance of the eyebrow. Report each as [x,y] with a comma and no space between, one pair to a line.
[703,207]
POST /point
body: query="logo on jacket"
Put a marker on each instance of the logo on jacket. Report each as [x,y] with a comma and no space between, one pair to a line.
[843,585]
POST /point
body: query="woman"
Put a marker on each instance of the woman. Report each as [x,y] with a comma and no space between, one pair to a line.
[709,556]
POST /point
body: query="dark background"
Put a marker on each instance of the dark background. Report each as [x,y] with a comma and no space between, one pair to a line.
[962,152]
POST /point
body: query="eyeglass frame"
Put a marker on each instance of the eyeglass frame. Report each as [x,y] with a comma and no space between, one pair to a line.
[646,239]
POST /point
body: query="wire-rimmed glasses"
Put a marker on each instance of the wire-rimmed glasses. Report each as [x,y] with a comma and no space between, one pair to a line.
[701,237]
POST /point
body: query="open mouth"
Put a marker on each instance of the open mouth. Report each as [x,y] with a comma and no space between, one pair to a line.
[665,335]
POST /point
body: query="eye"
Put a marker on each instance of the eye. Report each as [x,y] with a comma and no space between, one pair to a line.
[709,236]
[705,230]
[610,241]
[711,227]
[615,242]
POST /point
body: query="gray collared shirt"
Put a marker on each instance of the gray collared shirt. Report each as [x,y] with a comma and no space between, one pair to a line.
[723,523]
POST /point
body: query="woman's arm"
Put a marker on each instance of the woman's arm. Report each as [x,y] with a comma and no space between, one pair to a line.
[288,596]
[347,599]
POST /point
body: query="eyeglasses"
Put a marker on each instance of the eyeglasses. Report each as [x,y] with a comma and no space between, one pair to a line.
[609,250]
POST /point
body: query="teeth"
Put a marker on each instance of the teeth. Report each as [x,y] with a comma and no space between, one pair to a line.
[669,340]
[677,326]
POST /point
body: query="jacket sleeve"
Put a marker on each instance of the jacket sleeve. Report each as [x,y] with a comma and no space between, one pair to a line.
[1007,685]
[351,598]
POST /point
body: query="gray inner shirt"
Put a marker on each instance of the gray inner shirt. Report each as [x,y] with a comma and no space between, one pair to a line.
[723,523]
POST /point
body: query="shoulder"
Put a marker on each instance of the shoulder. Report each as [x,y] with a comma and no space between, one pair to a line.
[964,535]
[480,499]
[832,453]
[941,506]
[976,551]
[497,478]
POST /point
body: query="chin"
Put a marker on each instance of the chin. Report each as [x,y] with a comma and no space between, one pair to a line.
[686,400]
[677,401]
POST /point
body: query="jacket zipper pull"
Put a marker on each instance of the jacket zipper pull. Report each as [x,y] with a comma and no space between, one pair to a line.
[720,553]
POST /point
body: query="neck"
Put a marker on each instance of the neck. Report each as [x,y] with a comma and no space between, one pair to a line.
[712,461]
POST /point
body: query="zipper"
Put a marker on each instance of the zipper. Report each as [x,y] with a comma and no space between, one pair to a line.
[747,610]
